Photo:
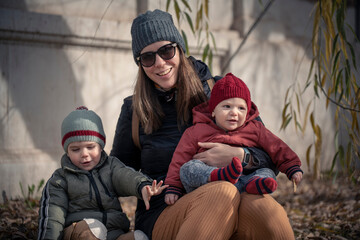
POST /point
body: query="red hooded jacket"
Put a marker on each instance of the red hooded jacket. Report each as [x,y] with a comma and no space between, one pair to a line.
[251,134]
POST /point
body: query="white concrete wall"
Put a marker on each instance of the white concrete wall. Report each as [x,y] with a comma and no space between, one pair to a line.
[55,56]
[51,64]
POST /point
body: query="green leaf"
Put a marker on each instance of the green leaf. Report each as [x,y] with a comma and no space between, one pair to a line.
[22,190]
[177,10]
[299,126]
[311,69]
[333,162]
[335,43]
[186,42]
[206,8]
[316,86]
[210,61]
[340,22]
[31,189]
[335,63]
[338,81]
[205,52]
[353,32]
[213,40]
[308,150]
[41,183]
[188,18]
[341,95]
[306,116]
[312,121]
[186,5]
[284,110]
[167,5]
[297,102]
[347,78]
[199,17]
[286,123]
[352,55]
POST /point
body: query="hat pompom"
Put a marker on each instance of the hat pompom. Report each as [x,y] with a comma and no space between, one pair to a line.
[82,108]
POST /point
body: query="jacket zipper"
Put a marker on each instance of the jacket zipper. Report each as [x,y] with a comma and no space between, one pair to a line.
[98,198]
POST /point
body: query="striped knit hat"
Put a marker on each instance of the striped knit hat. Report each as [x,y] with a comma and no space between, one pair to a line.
[82,125]
[153,26]
[229,87]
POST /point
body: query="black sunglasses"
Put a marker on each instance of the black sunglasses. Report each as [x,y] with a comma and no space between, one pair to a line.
[166,52]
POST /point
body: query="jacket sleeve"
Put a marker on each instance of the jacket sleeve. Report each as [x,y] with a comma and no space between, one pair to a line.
[53,208]
[184,152]
[123,146]
[285,159]
[261,159]
[127,181]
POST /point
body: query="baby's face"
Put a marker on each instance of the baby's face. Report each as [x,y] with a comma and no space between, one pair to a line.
[230,114]
[84,155]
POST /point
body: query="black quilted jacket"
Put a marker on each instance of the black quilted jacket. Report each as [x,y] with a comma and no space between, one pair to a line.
[157,148]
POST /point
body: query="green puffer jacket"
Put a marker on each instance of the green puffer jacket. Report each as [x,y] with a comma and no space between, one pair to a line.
[72,194]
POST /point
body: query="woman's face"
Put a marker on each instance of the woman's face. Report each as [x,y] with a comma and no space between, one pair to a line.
[163,72]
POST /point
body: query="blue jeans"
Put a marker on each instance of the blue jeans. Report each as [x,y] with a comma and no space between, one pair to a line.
[261,172]
[195,173]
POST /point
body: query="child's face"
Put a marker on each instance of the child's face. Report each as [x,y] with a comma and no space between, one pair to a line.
[230,114]
[84,155]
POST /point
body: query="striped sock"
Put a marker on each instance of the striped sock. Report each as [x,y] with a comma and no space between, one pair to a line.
[230,173]
[258,185]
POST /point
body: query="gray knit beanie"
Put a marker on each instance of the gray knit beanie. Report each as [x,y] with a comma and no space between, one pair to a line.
[152,27]
[82,125]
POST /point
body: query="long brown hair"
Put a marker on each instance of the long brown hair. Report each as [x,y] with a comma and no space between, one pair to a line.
[190,93]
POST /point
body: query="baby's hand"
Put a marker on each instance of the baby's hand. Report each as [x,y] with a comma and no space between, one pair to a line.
[297,177]
[171,198]
[148,191]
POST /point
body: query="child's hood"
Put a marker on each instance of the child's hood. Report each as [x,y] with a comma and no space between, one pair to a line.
[201,114]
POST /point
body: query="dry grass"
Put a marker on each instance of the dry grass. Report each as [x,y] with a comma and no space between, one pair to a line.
[320,209]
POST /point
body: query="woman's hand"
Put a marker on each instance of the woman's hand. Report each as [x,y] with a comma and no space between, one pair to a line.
[218,154]
[148,191]
[171,198]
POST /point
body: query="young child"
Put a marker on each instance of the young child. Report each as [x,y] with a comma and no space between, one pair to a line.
[228,117]
[80,200]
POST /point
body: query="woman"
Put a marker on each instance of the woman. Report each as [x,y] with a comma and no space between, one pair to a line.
[168,86]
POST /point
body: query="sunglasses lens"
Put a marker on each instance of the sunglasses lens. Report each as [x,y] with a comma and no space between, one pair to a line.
[167,52]
[147,59]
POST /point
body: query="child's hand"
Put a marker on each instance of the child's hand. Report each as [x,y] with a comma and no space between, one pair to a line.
[170,198]
[297,177]
[148,191]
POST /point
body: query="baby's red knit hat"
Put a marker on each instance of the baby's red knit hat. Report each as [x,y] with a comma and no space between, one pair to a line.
[229,87]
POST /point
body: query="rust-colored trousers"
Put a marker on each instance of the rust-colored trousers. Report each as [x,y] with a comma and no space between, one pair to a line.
[214,211]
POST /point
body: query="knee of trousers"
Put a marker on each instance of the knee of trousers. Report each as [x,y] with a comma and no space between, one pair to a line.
[212,207]
[221,192]
[256,210]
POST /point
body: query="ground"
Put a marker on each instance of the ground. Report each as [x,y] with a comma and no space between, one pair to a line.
[319,209]
[322,209]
